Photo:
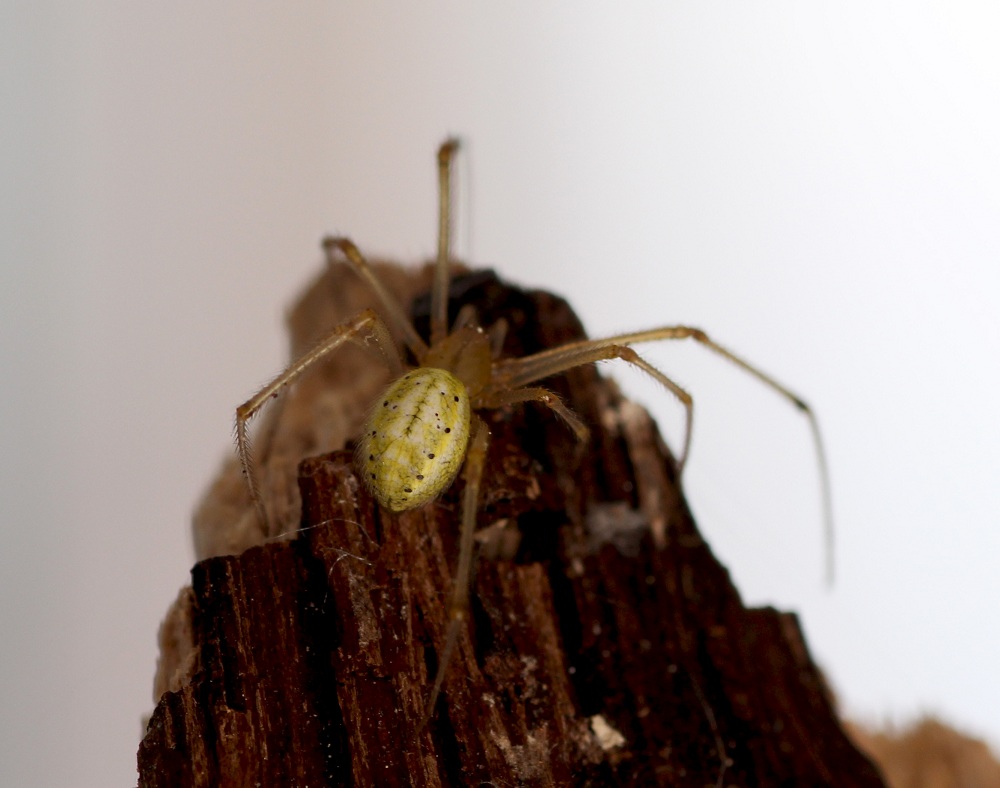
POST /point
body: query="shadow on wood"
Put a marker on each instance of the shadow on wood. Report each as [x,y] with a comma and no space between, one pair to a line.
[607,646]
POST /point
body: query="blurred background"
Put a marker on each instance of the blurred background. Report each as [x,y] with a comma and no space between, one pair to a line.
[816,187]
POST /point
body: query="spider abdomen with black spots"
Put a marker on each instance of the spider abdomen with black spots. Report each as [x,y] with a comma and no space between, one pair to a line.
[414,441]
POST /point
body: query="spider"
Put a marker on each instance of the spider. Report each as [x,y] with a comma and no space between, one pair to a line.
[423,429]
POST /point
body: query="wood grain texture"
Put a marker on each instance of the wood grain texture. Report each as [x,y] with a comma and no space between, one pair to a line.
[607,645]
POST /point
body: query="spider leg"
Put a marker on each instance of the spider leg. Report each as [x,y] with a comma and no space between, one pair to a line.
[346,332]
[497,334]
[516,372]
[466,318]
[524,370]
[458,606]
[396,313]
[439,293]
[544,396]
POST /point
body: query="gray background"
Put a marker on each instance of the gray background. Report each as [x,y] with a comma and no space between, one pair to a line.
[817,188]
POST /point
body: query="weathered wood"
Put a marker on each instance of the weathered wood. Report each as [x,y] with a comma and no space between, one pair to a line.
[607,645]
[929,754]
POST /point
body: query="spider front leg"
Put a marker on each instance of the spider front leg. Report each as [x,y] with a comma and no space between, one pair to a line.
[346,332]
[517,372]
[439,298]
[545,397]
[393,309]
[458,605]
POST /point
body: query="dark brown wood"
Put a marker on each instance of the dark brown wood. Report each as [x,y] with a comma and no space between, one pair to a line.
[607,645]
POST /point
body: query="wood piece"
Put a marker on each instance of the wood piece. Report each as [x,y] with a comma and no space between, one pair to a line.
[607,645]
[929,753]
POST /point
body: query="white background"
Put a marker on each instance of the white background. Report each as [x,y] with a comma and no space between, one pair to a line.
[817,188]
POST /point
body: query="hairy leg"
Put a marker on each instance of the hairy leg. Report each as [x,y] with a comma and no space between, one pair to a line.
[458,606]
[366,321]
[545,397]
[520,371]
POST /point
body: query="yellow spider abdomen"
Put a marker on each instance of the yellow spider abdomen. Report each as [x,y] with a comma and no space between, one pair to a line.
[415,438]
